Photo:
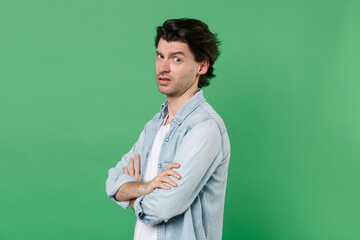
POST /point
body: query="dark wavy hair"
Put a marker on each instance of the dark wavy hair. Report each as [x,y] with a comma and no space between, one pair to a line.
[202,43]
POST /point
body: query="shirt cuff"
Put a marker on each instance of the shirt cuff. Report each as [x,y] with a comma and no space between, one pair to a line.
[139,211]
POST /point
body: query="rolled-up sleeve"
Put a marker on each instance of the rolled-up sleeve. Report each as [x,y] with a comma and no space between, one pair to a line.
[199,154]
[116,177]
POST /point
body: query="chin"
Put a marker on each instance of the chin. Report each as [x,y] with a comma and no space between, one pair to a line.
[167,92]
[162,89]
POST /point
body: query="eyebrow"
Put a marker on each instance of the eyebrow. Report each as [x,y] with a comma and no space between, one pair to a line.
[173,53]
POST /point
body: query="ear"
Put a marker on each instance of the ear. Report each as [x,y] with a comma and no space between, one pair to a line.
[203,67]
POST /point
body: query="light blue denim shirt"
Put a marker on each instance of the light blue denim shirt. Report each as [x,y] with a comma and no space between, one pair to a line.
[199,142]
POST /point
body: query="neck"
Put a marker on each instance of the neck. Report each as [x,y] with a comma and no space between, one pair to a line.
[176,103]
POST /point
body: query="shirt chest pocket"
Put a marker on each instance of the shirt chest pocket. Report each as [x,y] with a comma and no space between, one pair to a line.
[162,166]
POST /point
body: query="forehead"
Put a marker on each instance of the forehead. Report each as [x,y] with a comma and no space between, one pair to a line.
[168,47]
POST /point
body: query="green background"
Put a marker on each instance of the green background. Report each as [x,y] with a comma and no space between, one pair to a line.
[77,85]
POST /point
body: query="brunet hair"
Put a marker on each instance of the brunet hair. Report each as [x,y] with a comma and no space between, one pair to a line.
[202,43]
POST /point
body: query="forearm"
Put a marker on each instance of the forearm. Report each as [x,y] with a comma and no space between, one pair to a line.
[130,190]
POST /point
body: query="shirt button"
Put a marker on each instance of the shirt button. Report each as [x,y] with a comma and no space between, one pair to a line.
[166,140]
[159,165]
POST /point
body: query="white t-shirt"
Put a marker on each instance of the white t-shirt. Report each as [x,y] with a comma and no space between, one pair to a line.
[143,231]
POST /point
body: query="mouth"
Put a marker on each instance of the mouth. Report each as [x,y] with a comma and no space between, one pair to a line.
[163,80]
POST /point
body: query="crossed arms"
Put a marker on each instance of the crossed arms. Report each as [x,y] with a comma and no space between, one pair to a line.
[132,190]
[198,156]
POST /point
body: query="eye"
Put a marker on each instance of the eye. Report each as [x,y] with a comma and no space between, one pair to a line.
[177,60]
[159,56]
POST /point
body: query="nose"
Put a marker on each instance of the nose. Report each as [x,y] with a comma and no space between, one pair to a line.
[163,66]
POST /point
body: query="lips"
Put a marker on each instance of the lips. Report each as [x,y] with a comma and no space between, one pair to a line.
[164,80]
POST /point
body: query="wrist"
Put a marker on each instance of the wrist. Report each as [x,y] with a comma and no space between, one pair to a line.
[144,188]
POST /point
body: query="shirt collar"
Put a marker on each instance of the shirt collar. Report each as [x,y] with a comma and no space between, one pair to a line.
[188,107]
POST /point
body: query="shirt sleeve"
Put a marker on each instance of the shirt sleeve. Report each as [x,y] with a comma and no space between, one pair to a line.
[116,177]
[198,155]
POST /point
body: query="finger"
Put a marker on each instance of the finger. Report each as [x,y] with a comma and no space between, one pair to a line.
[172,165]
[131,167]
[137,167]
[163,186]
[169,181]
[126,170]
[172,173]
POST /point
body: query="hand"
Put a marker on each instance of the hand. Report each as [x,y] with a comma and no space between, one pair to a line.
[132,203]
[134,171]
[134,168]
[161,178]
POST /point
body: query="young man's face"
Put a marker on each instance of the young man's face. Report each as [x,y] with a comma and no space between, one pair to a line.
[176,68]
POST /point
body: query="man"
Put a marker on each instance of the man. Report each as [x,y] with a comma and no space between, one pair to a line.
[174,177]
